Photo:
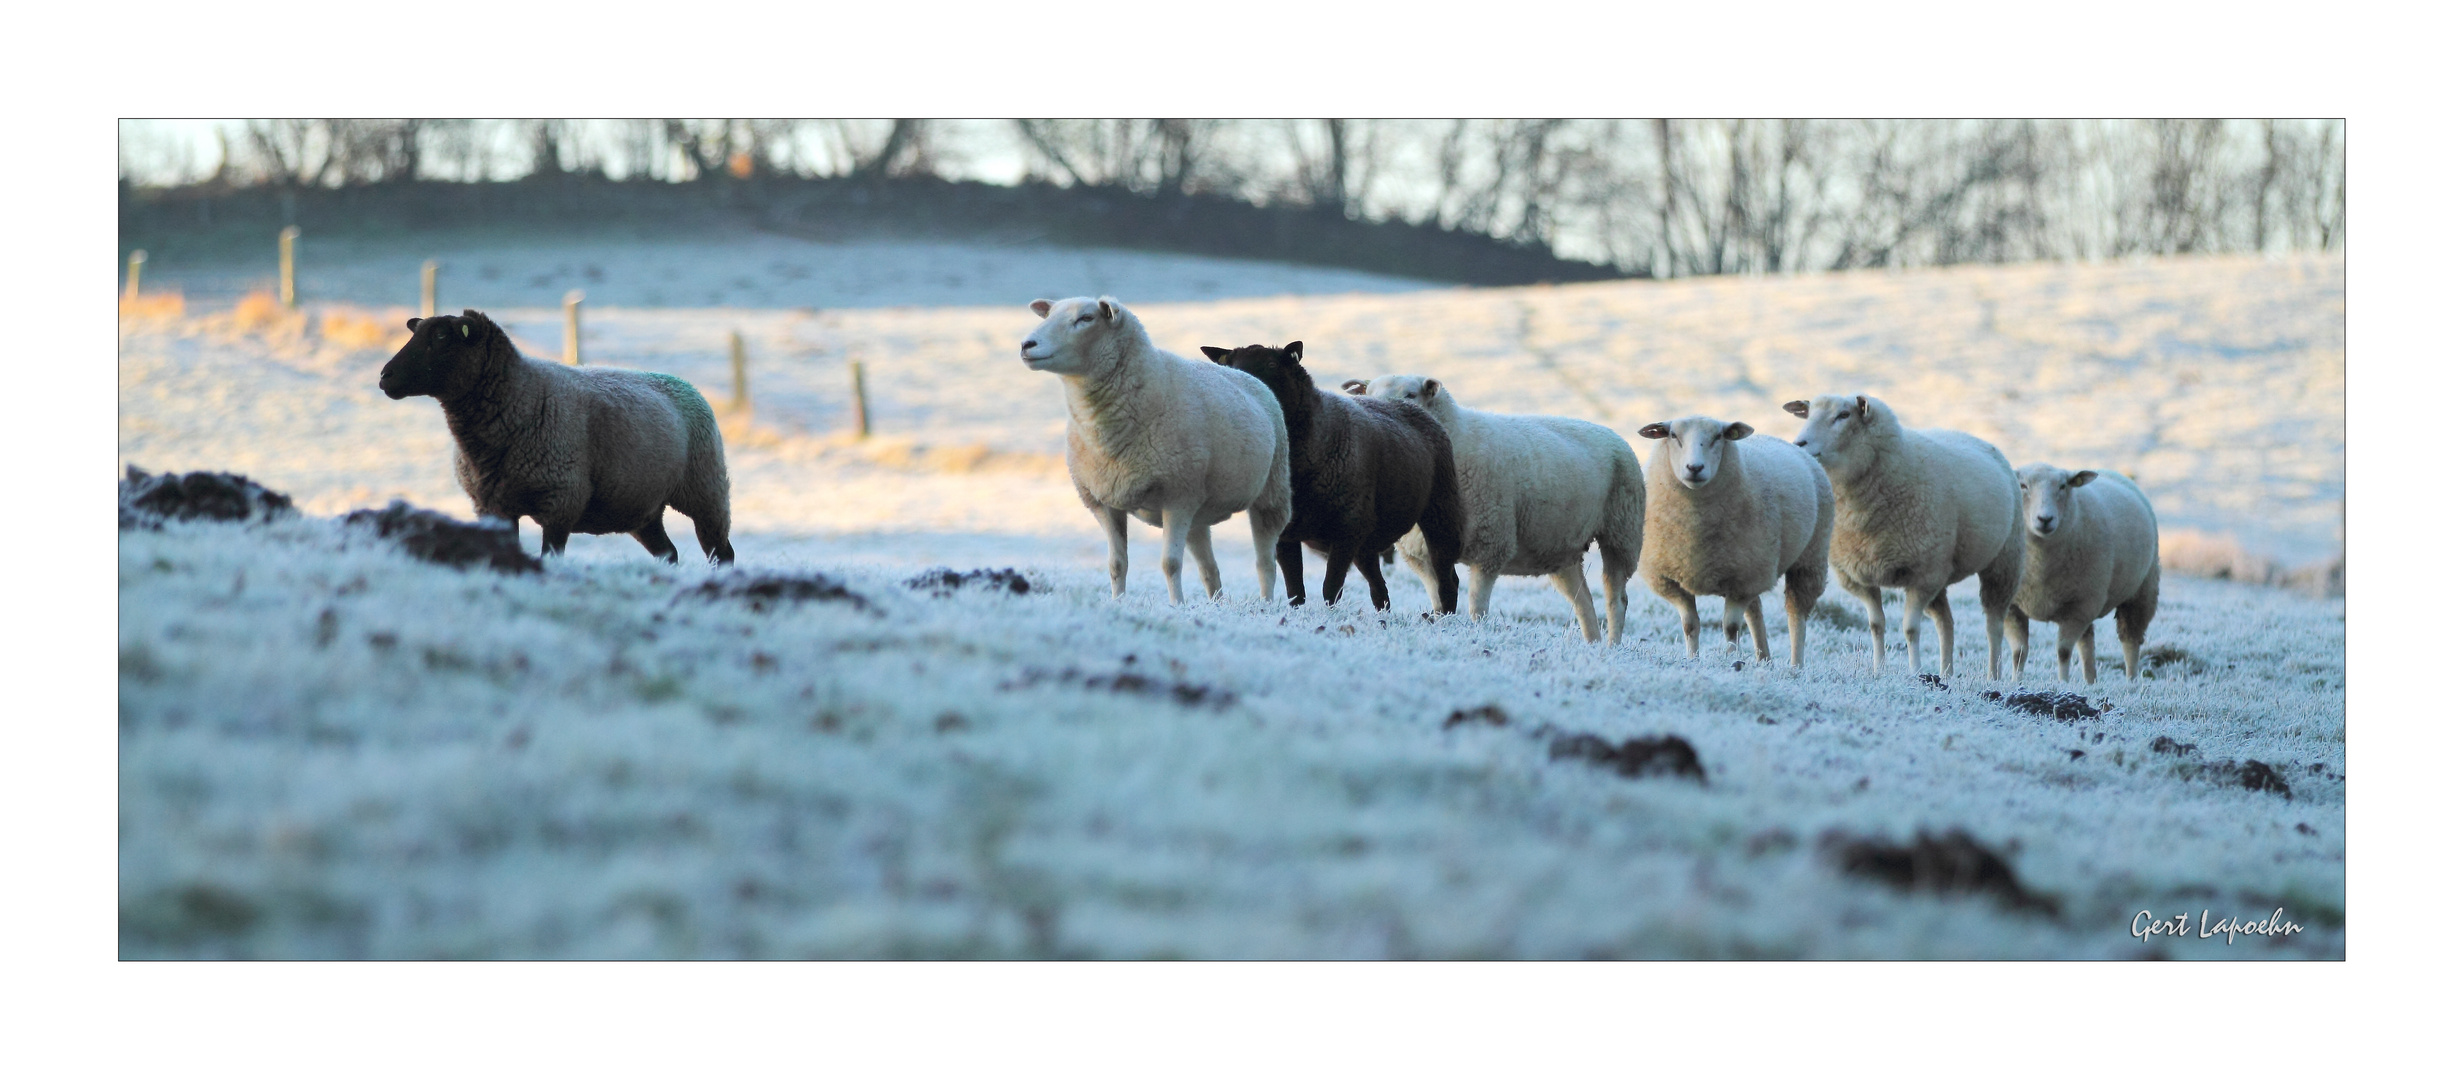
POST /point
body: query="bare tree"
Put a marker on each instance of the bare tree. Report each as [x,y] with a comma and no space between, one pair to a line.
[1334,162]
[1663,197]
[1156,157]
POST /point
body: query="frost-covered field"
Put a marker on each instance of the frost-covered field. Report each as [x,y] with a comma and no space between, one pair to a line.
[330,749]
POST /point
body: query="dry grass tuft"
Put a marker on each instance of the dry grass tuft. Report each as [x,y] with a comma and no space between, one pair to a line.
[357,330]
[160,305]
[2193,553]
[260,312]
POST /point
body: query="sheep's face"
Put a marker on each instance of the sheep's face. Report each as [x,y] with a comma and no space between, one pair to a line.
[1069,340]
[2044,496]
[1835,429]
[1694,447]
[1420,390]
[441,360]
[1279,369]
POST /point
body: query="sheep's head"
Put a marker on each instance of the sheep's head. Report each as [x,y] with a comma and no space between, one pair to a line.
[1279,369]
[1420,390]
[2044,495]
[1837,427]
[1695,446]
[1076,337]
[444,358]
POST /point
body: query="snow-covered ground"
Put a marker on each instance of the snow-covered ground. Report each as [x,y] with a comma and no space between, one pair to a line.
[734,268]
[329,749]
[2216,383]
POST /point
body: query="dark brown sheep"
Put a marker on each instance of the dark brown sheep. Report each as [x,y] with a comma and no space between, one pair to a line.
[1365,471]
[591,450]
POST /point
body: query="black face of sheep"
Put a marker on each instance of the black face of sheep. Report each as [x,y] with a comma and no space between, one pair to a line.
[1279,369]
[445,356]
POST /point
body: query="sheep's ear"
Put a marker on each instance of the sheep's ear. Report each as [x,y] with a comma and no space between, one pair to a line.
[1865,410]
[2081,477]
[1795,409]
[1213,353]
[1110,311]
[1355,386]
[1654,431]
[1292,352]
[1738,430]
[411,325]
[1429,389]
[1041,308]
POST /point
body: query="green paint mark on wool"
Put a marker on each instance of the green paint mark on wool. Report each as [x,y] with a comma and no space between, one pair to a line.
[696,408]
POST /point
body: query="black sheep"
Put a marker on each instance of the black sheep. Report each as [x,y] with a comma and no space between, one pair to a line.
[1365,471]
[589,450]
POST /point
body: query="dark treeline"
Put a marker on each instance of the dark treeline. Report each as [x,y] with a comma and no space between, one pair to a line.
[1663,198]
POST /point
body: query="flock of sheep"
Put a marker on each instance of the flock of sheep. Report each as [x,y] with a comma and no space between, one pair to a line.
[1396,465]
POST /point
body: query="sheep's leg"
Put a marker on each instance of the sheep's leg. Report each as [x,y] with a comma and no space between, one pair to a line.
[2087,654]
[1176,522]
[2015,627]
[2067,643]
[1874,621]
[2130,623]
[1569,581]
[1263,534]
[1911,610]
[1116,535]
[1287,552]
[1732,620]
[1202,552]
[552,538]
[1940,608]
[1614,584]
[654,537]
[1796,631]
[1483,579]
[1448,593]
[1803,587]
[1688,618]
[1369,572]
[1753,620]
[713,540]
[709,513]
[1996,586]
[1428,579]
[1338,566]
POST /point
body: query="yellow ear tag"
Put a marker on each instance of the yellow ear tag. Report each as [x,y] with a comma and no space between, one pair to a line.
[466,329]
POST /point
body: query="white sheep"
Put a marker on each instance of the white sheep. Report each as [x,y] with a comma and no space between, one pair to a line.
[1537,491]
[1916,510]
[1177,442]
[2091,550]
[1730,513]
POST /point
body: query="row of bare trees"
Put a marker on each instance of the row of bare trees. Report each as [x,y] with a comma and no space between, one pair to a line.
[1663,197]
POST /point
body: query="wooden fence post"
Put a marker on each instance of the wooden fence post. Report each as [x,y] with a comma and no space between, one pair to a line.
[427,289]
[573,328]
[136,268]
[864,412]
[735,363]
[289,238]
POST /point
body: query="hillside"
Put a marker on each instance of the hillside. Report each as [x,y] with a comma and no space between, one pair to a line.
[328,749]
